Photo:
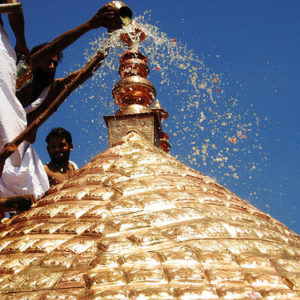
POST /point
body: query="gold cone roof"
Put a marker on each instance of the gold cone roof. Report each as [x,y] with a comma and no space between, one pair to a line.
[135,223]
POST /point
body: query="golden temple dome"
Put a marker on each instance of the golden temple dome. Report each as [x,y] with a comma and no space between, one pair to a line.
[135,223]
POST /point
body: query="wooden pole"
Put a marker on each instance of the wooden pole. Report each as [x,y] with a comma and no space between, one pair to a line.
[16,203]
[86,72]
[10,8]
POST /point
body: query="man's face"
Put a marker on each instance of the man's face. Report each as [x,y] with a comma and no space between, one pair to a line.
[45,74]
[59,150]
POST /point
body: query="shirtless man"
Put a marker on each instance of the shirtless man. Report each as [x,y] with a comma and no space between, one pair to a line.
[59,146]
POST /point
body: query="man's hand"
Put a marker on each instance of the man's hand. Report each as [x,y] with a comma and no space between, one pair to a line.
[106,17]
[16,21]
[22,48]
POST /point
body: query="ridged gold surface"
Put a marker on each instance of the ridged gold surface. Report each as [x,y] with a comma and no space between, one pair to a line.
[135,223]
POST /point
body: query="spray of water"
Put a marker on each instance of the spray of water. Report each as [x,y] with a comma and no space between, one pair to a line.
[208,129]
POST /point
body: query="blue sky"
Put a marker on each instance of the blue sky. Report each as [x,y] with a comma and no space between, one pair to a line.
[246,53]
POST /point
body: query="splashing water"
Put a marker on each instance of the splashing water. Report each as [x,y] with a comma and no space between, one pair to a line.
[208,129]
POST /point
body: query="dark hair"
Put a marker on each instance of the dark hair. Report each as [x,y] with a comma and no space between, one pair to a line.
[61,132]
[40,46]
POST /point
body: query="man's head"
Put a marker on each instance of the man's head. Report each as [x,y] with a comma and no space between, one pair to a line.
[59,145]
[45,74]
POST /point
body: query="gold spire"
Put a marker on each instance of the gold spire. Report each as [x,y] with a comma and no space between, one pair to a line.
[133,94]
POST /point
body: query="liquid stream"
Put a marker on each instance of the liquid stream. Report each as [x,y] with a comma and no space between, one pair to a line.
[209,130]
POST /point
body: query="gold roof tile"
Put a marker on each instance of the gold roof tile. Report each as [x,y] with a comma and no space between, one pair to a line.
[135,223]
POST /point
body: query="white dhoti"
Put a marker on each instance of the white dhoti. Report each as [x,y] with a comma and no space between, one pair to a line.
[29,178]
[23,172]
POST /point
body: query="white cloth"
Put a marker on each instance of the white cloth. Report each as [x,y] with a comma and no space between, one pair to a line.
[29,178]
[34,105]
[12,114]
[23,171]
[73,164]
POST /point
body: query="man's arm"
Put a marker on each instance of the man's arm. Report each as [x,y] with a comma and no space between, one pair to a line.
[105,17]
[16,21]
[63,87]
[81,77]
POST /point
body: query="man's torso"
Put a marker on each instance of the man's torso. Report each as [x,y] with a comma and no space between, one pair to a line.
[56,177]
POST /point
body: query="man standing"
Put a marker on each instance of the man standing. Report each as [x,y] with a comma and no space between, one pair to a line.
[59,147]
[12,115]
[23,172]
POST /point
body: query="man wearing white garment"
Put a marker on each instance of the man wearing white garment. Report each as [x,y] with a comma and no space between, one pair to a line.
[44,88]
[29,176]
[35,97]
[23,172]
[11,109]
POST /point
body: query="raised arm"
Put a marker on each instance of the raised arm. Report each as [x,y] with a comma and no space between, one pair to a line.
[105,17]
[16,21]
[63,87]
